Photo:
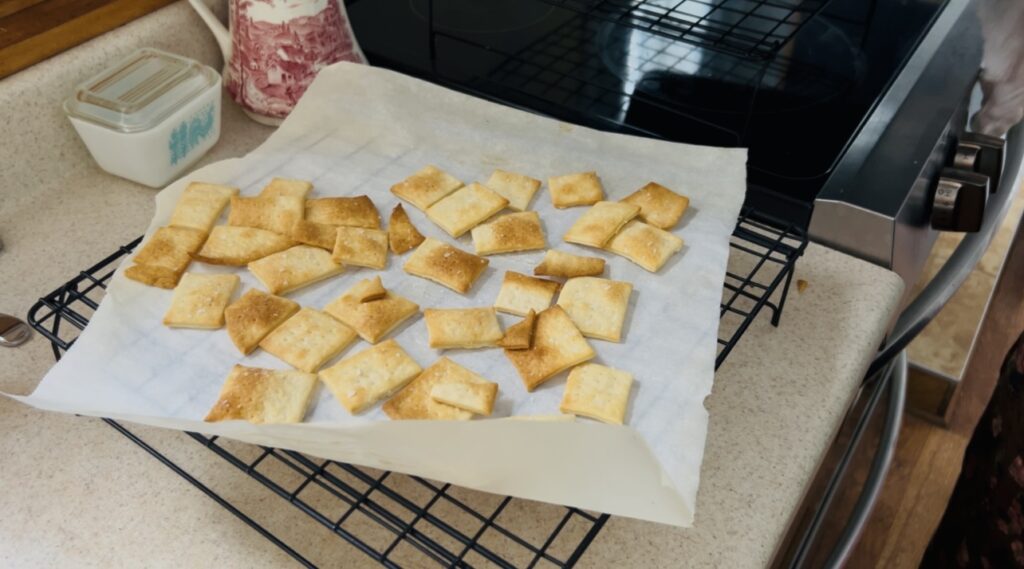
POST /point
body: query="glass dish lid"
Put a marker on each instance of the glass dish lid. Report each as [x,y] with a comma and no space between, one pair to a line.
[139,91]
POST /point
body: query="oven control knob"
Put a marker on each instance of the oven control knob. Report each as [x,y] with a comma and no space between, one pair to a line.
[980,153]
[959,203]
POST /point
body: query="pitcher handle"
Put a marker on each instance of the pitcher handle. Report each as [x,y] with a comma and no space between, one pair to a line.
[220,33]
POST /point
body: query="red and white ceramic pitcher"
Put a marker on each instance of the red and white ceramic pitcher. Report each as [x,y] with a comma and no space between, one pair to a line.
[273,50]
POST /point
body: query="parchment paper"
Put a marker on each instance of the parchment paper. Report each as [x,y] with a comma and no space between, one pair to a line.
[358,130]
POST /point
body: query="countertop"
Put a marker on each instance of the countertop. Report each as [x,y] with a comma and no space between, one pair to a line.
[75,493]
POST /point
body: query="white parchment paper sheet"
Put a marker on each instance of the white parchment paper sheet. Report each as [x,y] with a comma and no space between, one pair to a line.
[358,130]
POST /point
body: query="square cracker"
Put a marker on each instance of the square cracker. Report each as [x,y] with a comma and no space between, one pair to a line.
[238,246]
[477,397]
[557,346]
[575,189]
[273,213]
[153,276]
[597,306]
[414,402]
[250,318]
[308,339]
[200,205]
[294,268]
[361,247]
[445,265]
[598,224]
[519,336]
[520,294]
[659,206]
[199,301]
[371,320]
[402,234]
[509,233]
[424,188]
[566,265]
[516,188]
[369,376]
[598,392]
[170,248]
[356,211]
[465,209]
[263,396]
[260,395]
[645,245]
[286,187]
[319,235]
[462,327]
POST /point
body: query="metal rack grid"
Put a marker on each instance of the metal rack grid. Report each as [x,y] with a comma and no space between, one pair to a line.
[565,72]
[749,28]
[429,523]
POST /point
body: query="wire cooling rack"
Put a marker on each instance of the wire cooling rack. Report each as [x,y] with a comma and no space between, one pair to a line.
[408,521]
[749,28]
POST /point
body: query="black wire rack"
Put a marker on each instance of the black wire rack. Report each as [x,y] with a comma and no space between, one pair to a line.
[590,73]
[749,28]
[408,521]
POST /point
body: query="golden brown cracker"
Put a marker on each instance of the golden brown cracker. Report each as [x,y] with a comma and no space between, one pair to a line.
[250,318]
[509,233]
[359,381]
[371,320]
[445,265]
[402,234]
[263,396]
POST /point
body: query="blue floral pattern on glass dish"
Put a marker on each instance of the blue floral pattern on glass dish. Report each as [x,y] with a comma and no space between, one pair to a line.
[187,135]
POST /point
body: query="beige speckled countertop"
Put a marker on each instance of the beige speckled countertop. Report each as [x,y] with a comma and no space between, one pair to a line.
[75,493]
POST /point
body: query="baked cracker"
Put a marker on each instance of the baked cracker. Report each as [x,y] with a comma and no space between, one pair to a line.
[371,320]
[200,205]
[199,301]
[274,213]
[402,234]
[557,346]
[361,247]
[319,235]
[509,233]
[228,245]
[516,188]
[575,189]
[520,294]
[475,397]
[645,245]
[286,187]
[373,291]
[294,268]
[566,265]
[467,328]
[153,276]
[465,209]
[250,318]
[308,339]
[424,188]
[445,265]
[597,306]
[598,224]
[170,248]
[598,392]
[355,211]
[359,381]
[414,402]
[519,336]
[659,206]
[263,396]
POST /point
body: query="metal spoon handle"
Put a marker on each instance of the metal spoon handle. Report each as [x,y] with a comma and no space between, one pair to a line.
[13,331]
